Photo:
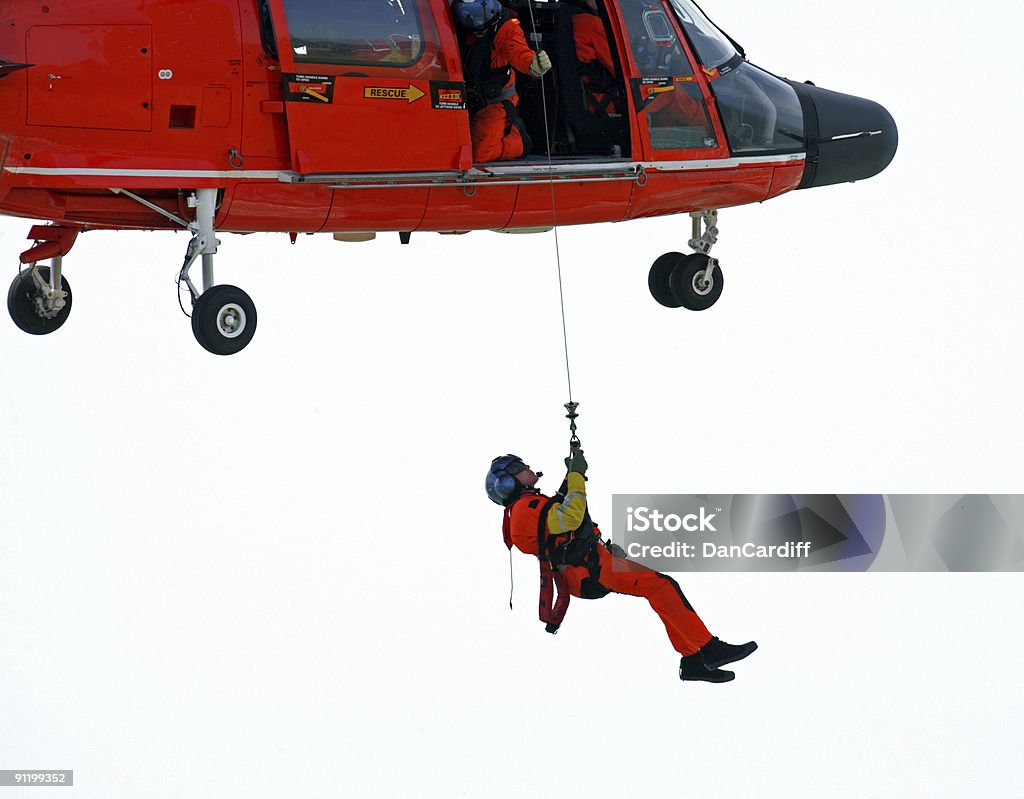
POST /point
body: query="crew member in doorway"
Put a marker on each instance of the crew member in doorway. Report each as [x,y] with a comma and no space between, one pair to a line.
[594,55]
[573,558]
[494,50]
[666,108]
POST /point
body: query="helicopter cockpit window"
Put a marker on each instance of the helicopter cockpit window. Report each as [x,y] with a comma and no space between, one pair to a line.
[712,47]
[667,92]
[357,32]
[761,113]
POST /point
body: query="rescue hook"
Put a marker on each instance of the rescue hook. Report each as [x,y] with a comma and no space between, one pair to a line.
[572,416]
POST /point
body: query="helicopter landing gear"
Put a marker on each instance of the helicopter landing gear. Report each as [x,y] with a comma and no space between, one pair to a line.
[223,320]
[39,300]
[697,282]
[692,281]
[223,317]
[658,279]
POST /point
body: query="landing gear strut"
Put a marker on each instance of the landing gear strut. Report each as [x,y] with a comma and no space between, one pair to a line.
[223,317]
[692,281]
[39,300]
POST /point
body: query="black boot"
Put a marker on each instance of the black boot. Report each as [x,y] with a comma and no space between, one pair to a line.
[692,667]
[718,653]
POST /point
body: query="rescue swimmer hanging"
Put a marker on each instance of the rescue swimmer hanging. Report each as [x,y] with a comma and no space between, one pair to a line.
[576,561]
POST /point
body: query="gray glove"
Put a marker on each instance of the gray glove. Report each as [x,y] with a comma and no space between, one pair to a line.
[540,65]
[576,462]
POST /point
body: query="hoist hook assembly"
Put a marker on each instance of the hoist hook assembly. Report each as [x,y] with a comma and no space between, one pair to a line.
[572,416]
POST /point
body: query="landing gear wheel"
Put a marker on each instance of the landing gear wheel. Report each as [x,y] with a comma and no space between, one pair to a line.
[658,279]
[224,320]
[29,307]
[692,286]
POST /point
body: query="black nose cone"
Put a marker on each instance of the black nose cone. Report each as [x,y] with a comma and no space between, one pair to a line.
[848,138]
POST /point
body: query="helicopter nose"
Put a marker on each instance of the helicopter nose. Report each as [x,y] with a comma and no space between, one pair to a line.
[848,138]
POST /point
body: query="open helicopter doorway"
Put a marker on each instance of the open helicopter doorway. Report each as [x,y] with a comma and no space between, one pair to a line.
[586,111]
[624,85]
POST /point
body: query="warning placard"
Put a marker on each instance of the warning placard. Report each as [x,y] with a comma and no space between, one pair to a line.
[448,95]
[305,88]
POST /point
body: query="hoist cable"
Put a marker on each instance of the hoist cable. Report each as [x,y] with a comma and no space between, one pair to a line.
[554,213]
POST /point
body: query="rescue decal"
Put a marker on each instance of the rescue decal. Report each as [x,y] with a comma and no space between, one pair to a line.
[448,95]
[410,94]
[304,88]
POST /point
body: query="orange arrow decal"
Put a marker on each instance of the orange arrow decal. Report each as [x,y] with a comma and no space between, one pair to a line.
[410,94]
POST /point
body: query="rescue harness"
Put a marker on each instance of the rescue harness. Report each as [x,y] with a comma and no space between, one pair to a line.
[578,548]
[486,85]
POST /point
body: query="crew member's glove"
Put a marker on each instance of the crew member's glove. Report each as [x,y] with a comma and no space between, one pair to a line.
[576,462]
[540,65]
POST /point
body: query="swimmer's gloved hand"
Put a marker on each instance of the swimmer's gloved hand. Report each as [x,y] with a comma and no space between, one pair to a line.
[576,462]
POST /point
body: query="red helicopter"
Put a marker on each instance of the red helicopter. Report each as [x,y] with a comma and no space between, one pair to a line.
[301,116]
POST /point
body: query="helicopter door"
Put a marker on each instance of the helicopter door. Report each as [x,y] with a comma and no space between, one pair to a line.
[370,86]
[667,93]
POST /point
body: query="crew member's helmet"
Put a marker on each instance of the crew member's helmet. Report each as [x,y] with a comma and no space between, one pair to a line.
[476,15]
[502,486]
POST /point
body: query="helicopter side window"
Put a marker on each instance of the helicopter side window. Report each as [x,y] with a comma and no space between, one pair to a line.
[357,32]
[713,48]
[667,91]
[761,113]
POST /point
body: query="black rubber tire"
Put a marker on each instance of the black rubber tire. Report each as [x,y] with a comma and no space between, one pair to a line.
[683,280]
[658,279]
[22,309]
[208,317]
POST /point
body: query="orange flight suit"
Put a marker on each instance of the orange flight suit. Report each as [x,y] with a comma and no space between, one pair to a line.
[494,136]
[592,41]
[592,45]
[685,629]
[674,106]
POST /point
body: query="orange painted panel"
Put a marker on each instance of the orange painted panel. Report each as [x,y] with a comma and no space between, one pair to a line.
[377,209]
[575,203]
[478,207]
[90,76]
[676,192]
[216,111]
[278,207]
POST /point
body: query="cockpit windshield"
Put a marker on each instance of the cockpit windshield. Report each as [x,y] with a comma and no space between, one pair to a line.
[713,48]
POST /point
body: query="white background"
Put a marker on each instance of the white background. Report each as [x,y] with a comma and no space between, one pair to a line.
[277,574]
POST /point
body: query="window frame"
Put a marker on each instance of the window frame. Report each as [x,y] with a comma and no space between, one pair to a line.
[412,8]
